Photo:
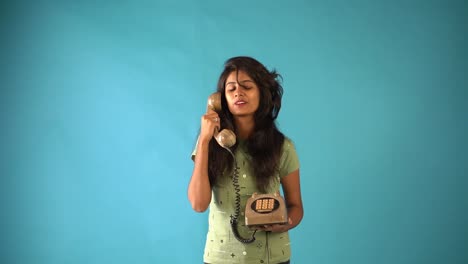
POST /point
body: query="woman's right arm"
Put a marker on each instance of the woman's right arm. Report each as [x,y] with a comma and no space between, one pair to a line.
[199,189]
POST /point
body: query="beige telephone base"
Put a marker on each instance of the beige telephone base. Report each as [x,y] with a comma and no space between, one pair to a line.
[265,209]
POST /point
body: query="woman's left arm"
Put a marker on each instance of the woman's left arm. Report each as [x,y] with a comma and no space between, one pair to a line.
[292,195]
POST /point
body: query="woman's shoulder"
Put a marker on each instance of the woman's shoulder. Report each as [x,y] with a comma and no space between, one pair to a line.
[288,142]
[288,145]
[289,161]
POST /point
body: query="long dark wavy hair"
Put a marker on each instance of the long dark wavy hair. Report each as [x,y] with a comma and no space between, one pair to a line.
[265,143]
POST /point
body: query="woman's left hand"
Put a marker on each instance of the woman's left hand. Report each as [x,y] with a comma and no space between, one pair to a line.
[275,227]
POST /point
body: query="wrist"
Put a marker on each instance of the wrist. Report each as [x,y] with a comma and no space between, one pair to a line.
[204,141]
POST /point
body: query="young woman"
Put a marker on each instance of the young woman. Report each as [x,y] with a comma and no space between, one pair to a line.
[262,160]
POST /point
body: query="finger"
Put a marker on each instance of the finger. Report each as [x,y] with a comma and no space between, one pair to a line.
[275,227]
[216,121]
[208,124]
[212,117]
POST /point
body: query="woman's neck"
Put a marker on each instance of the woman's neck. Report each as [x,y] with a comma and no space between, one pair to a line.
[245,126]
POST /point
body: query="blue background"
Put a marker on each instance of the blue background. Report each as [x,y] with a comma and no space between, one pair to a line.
[101,103]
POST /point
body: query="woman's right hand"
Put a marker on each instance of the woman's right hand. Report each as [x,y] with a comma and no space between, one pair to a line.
[209,123]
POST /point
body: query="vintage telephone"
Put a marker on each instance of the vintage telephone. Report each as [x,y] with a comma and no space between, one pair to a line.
[265,209]
[260,209]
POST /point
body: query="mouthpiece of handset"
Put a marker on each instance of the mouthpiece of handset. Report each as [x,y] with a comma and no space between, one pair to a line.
[226,138]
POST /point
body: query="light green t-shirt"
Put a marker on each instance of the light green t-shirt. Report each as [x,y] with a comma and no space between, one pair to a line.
[221,246]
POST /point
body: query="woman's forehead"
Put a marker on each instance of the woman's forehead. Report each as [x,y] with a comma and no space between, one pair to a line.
[239,75]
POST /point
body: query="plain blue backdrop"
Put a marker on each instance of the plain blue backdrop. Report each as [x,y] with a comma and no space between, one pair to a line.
[101,103]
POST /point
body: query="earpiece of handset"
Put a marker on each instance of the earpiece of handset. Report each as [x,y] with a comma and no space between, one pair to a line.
[214,102]
[225,138]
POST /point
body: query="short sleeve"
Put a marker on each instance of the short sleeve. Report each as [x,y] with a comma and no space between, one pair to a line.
[289,161]
[194,151]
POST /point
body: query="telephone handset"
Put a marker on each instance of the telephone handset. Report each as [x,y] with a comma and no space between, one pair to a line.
[225,138]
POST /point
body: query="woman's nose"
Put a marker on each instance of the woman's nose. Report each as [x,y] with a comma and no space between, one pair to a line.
[238,91]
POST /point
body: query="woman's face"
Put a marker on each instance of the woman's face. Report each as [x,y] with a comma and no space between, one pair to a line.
[241,100]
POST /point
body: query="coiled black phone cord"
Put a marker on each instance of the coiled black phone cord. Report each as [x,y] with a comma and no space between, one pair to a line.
[235,217]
